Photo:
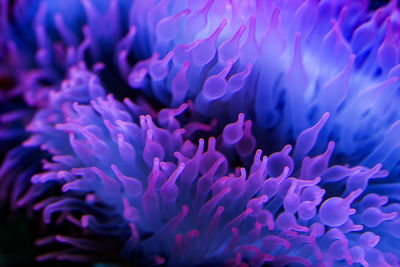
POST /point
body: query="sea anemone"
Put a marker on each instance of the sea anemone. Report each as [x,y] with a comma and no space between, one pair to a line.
[283,64]
[174,172]
[46,38]
[130,173]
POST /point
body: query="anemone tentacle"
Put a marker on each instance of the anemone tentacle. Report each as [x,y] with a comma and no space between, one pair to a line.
[136,174]
[204,132]
[283,64]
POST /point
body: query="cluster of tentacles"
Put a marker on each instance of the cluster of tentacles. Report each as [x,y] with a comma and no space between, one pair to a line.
[204,132]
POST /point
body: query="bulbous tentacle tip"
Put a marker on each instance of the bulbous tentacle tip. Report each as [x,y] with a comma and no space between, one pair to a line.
[139,175]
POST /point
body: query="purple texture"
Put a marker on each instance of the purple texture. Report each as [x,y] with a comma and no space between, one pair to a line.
[260,132]
[282,63]
[129,172]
